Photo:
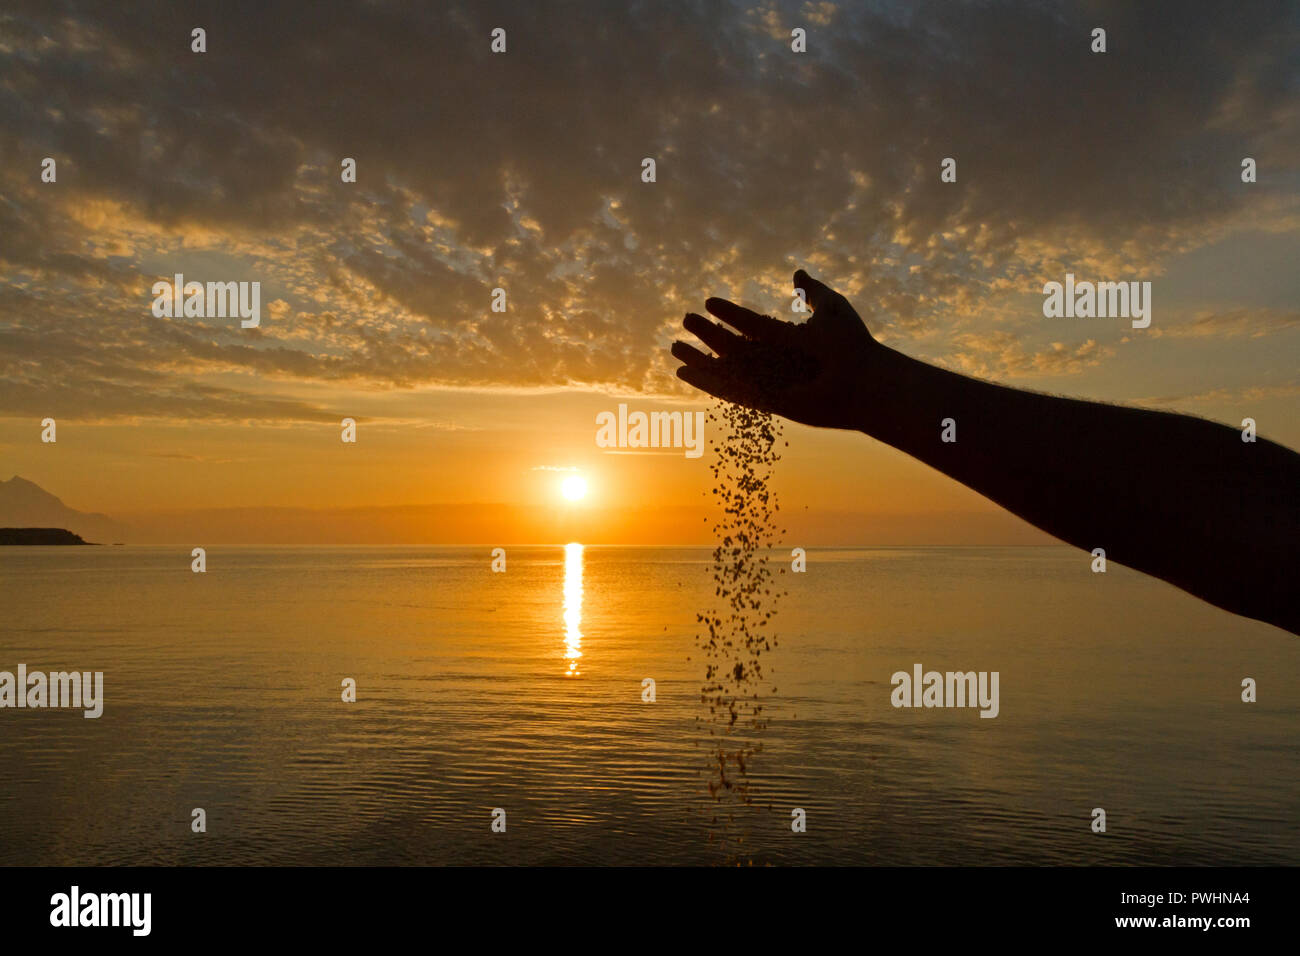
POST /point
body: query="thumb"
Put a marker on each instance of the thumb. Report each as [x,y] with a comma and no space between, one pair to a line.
[833,316]
[818,294]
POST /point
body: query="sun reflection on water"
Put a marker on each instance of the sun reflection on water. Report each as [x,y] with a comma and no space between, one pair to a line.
[573,607]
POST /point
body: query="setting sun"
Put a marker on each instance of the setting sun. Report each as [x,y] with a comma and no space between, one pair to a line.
[574,487]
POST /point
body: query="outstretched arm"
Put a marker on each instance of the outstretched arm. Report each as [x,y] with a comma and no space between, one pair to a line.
[1177,497]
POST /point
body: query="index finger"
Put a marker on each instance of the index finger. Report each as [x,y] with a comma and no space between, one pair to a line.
[748,321]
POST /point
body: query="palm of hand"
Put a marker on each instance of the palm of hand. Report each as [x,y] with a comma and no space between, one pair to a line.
[805,372]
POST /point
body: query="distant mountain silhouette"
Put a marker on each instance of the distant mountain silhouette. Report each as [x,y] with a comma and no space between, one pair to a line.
[39,536]
[24,504]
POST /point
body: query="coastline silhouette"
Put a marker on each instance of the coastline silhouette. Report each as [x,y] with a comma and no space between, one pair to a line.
[1177,497]
[40,536]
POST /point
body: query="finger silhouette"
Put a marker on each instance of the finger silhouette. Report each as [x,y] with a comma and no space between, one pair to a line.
[721,340]
[749,322]
[708,380]
[692,356]
[818,294]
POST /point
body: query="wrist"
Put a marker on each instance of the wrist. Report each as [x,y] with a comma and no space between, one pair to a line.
[877,390]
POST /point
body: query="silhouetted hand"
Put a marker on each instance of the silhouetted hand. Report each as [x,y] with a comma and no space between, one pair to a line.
[1065,465]
[808,372]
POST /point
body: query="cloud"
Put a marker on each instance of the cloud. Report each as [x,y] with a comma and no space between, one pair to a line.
[1235,323]
[1001,354]
[522,171]
[1229,396]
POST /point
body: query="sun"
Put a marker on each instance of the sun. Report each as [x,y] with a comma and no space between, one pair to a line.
[574,487]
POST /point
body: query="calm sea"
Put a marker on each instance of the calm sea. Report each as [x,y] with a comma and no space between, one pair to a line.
[523,691]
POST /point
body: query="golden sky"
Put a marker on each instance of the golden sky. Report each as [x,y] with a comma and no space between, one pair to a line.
[522,171]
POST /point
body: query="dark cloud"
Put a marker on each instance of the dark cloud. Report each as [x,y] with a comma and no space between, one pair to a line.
[523,171]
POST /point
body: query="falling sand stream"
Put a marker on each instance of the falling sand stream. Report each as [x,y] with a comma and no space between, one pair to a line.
[737,630]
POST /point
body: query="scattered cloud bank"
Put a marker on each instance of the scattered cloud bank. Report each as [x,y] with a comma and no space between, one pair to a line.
[522,171]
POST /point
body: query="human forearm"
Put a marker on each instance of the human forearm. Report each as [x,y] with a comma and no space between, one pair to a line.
[1177,497]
